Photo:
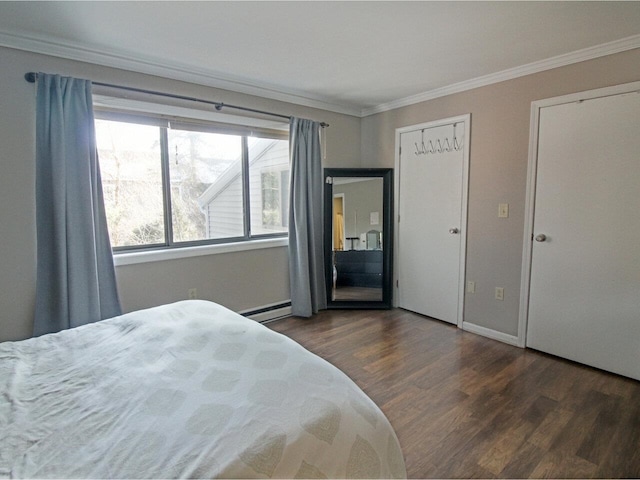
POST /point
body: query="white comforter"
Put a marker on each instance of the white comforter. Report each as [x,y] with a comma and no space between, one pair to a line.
[189,389]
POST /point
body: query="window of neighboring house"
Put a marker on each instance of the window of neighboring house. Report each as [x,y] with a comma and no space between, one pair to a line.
[269,185]
[191,184]
[275,199]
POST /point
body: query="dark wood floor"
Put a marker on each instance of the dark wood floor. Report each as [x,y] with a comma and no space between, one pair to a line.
[466,406]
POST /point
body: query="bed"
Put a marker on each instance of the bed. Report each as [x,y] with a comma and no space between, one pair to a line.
[186,390]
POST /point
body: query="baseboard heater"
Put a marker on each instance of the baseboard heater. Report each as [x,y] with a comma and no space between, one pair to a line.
[269,313]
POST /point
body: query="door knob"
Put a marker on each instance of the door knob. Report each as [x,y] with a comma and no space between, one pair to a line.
[454,231]
[541,237]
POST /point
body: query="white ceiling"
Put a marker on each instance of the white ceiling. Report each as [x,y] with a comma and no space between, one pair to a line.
[355,57]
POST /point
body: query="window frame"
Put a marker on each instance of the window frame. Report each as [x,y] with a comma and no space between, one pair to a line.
[247,241]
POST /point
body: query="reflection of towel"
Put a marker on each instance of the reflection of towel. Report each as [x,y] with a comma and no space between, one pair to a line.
[338,232]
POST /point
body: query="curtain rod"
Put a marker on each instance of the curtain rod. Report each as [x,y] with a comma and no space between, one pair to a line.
[31,77]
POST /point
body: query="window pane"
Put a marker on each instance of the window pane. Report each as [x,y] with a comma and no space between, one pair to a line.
[130,165]
[206,185]
[269,185]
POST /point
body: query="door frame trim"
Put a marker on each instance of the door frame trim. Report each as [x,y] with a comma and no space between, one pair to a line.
[344,235]
[532,169]
[466,119]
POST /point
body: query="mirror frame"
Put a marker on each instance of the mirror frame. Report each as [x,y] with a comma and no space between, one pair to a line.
[387,236]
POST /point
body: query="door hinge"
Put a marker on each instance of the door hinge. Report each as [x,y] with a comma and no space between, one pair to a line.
[397,284]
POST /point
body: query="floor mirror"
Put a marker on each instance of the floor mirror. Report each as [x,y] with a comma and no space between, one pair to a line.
[358,236]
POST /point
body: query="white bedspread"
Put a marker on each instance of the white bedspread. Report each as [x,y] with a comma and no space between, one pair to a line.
[189,389]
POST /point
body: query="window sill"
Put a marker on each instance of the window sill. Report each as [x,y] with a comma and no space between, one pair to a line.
[132,258]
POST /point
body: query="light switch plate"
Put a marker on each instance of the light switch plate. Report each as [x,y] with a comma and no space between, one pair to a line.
[503,210]
[471,287]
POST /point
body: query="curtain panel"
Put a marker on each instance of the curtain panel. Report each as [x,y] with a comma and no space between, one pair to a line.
[306,252]
[75,272]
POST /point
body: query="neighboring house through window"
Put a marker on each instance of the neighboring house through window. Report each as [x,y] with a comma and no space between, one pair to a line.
[222,201]
[275,197]
[180,183]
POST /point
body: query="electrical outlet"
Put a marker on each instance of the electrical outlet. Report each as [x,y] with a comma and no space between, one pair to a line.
[193,293]
[471,287]
[499,293]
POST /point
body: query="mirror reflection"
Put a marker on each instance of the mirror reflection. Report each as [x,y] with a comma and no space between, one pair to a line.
[357,239]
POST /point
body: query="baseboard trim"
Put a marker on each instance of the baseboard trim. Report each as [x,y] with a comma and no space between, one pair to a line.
[268,313]
[490,333]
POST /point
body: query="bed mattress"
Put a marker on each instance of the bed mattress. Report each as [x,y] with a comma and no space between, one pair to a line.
[186,390]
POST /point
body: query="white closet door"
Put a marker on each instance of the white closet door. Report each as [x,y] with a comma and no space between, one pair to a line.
[584,301]
[432,222]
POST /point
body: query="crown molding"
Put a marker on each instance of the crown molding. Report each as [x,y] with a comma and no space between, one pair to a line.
[176,71]
[624,44]
[172,70]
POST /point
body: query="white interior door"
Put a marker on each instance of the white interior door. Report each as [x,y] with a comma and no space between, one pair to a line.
[432,218]
[584,293]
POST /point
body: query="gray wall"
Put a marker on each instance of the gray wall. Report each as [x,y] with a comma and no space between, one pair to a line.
[498,164]
[500,117]
[360,200]
[240,281]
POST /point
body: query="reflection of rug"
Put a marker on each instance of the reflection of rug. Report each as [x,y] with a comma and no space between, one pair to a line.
[357,293]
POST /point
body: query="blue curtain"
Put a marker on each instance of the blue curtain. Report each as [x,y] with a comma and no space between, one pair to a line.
[306,253]
[75,274]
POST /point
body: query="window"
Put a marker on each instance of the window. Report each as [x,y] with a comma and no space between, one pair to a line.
[178,184]
[269,185]
[275,190]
